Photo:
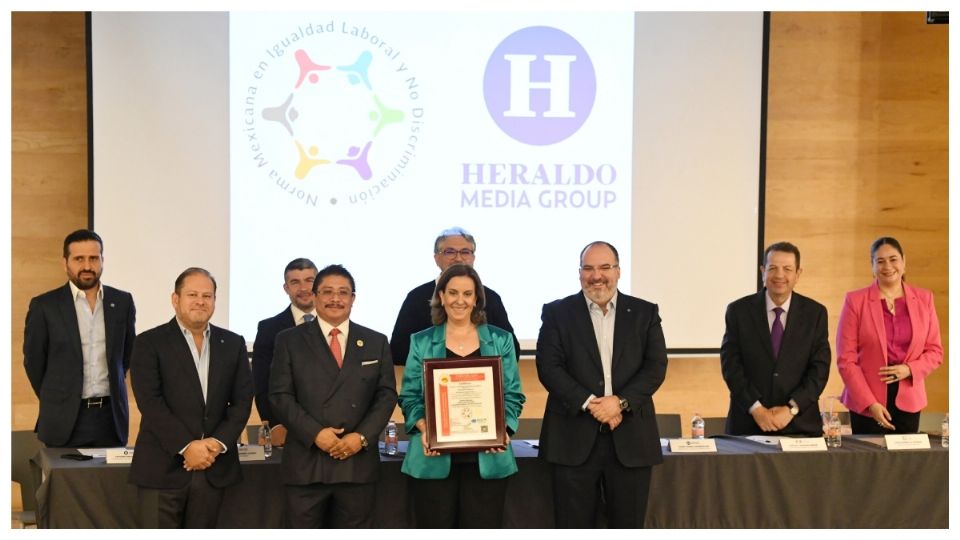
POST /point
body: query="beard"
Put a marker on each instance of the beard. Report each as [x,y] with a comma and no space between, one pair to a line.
[85,280]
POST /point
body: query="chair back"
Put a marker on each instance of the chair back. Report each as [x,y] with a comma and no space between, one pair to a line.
[669,426]
[25,446]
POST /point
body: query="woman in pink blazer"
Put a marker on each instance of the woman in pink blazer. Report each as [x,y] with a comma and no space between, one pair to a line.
[888,342]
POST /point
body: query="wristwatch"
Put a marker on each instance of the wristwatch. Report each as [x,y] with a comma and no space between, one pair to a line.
[624,404]
[794,409]
[363,441]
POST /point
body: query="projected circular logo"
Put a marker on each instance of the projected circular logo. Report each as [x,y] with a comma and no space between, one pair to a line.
[330,116]
[539,85]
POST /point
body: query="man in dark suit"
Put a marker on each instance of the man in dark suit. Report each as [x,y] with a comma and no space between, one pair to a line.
[775,356]
[192,384]
[601,356]
[332,384]
[76,352]
[454,246]
[298,279]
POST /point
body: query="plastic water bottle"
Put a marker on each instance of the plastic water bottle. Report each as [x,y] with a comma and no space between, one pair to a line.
[945,431]
[265,440]
[390,439]
[696,426]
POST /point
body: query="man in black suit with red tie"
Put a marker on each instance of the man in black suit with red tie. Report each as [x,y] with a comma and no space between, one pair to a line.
[775,356]
[332,384]
[192,384]
[601,355]
[76,352]
[298,279]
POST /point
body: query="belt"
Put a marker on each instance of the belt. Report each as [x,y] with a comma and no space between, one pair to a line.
[95,402]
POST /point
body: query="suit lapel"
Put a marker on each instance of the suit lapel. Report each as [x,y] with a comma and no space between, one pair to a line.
[352,350]
[918,327]
[875,307]
[583,326]
[625,320]
[216,370]
[758,315]
[321,351]
[111,320]
[796,318]
[183,358]
[68,312]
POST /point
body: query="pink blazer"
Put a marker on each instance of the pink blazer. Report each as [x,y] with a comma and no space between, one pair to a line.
[862,349]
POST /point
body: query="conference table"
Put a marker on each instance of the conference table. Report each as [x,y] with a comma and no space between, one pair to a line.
[746,484]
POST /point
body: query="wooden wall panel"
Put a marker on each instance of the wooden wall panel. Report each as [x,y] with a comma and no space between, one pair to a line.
[857,147]
[49,168]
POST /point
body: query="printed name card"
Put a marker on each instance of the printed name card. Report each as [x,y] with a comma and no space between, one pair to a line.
[119,455]
[680,446]
[803,444]
[915,441]
[251,452]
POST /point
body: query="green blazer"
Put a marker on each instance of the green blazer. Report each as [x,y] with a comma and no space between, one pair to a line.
[431,343]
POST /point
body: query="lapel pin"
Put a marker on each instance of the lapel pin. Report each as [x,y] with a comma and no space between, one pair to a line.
[111,304]
[359,343]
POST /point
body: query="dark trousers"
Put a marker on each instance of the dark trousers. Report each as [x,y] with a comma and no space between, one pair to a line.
[905,422]
[194,506]
[316,506]
[577,490]
[94,428]
[461,500]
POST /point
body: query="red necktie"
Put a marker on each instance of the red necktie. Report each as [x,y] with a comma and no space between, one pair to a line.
[335,346]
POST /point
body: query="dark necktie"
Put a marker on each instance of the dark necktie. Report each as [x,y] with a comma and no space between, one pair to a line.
[776,332]
[335,346]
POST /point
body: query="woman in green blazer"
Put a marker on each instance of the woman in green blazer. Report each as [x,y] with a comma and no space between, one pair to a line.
[458,490]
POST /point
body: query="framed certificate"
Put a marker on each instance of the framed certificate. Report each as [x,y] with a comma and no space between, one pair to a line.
[464,404]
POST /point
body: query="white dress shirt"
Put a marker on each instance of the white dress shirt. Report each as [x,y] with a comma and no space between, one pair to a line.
[93,343]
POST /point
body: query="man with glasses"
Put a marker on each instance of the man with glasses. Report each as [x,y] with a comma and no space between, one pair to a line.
[601,356]
[332,385]
[298,279]
[453,246]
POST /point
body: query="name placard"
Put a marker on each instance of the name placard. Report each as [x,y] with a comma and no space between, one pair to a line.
[682,446]
[803,444]
[913,441]
[251,452]
[119,455]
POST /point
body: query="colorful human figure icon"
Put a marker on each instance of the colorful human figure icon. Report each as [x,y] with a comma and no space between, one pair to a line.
[308,68]
[307,161]
[357,71]
[359,160]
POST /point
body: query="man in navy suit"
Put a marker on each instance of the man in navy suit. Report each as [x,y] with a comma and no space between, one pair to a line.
[332,384]
[453,246]
[775,357]
[601,355]
[192,384]
[298,279]
[76,352]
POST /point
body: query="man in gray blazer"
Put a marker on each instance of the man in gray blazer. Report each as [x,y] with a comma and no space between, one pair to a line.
[76,351]
[332,384]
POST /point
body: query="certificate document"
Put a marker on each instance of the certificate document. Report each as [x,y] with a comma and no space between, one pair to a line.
[464,402]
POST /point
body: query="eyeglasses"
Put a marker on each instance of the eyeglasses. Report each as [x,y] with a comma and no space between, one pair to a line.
[603,268]
[330,293]
[451,253]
